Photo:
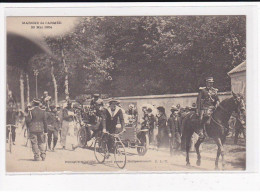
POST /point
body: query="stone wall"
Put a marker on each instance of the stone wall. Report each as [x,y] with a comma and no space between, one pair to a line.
[165,100]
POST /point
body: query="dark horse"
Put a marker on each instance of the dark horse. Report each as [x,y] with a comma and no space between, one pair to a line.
[216,127]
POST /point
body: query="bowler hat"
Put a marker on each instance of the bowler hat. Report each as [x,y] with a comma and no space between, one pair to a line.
[161,109]
[149,110]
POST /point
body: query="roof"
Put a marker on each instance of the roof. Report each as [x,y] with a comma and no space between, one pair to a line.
[239,68]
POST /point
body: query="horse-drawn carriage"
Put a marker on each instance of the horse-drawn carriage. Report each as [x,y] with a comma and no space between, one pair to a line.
[134,136]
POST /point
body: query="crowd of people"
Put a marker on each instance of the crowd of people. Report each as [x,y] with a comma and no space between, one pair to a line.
[45,121]
[170,129]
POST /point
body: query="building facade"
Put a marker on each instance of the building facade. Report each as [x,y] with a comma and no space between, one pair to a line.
[238,79]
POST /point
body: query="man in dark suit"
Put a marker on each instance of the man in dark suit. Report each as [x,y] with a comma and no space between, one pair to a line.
[110,117]
[53,126]
[174,128]
[162,126]
[37,125]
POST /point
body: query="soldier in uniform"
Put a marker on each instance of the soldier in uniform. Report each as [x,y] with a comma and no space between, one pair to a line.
[37,126]
[207,101]
[46,100]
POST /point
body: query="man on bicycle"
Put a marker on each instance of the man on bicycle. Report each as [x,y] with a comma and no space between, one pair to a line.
[11,120]
[110,118]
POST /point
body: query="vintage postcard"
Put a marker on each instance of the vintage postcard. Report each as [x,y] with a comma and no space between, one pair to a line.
[126,93]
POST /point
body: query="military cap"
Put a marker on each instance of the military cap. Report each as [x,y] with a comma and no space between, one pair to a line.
[52,106]
[174,108]
[209,79]
[96,95]
[131,106]
[36,101]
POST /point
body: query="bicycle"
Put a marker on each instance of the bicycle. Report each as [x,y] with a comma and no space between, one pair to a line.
[10,141]
[102,152]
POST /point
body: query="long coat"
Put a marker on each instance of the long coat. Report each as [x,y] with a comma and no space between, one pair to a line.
[52,121]
[36,120]
[174,124]
[11,117]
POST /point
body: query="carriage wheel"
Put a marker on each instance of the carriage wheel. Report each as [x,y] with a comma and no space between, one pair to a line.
[100,150]
[144,145]
[120,155]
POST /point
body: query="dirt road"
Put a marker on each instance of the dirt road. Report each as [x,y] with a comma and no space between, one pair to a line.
[83,160]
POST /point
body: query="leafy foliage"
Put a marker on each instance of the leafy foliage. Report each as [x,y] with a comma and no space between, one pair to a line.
[123,56]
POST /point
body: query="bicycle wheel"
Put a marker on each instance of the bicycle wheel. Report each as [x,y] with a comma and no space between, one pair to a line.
[120,155]
[82,137]
[100,150]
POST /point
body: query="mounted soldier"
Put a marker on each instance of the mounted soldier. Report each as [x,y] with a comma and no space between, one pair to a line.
[207,102]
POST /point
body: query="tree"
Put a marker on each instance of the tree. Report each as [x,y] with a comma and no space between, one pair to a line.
[124,56]
[46,64]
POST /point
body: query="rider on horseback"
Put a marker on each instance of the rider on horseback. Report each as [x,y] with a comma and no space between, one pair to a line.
[207,102]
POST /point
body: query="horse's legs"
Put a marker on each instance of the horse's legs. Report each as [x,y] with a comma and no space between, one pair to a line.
[217,158]
[188,142]
[244,133]
[197,147]
[220,151]
[223,140]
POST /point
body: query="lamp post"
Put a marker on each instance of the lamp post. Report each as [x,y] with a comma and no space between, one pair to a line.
[36,72]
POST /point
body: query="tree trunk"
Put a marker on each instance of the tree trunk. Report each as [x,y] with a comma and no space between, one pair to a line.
[66,75]
[22,90]
[55,86]
[28,88]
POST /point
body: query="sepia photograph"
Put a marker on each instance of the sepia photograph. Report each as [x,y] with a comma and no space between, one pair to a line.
[126,93]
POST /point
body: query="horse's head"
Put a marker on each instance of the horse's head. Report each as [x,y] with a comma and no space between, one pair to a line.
[240,107]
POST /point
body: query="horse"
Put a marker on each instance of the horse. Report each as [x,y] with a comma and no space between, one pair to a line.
[240,128]
[216,127]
